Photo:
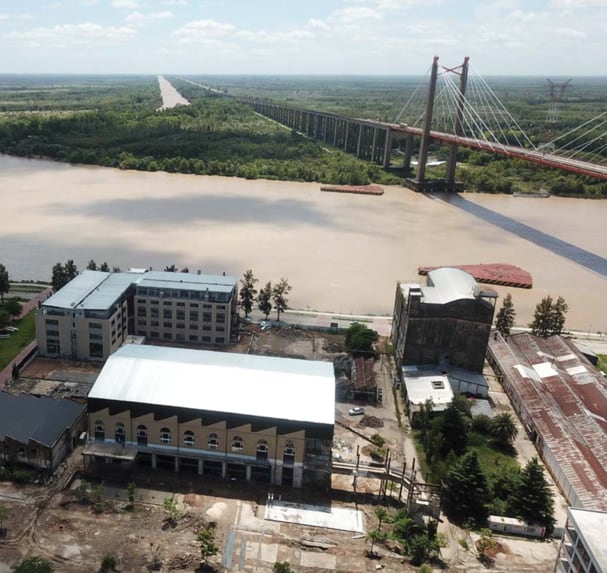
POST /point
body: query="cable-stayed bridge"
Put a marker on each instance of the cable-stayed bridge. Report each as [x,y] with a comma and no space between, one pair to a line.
[454,107]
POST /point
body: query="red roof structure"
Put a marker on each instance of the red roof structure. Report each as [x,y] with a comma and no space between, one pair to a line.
[502,274]
[562,401]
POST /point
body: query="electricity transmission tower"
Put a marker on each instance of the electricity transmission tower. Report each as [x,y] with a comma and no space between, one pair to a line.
[555,93]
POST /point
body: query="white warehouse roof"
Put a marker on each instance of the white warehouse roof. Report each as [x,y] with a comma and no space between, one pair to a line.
[282,388]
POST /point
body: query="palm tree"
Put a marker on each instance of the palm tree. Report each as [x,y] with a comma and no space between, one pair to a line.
[503,428]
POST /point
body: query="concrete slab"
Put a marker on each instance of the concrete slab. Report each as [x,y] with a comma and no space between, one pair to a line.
[342,518]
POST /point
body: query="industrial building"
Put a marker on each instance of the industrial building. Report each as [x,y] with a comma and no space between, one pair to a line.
[561,399]
[92,316]
[445,322]
[38,432]
[234,416]
[583,547]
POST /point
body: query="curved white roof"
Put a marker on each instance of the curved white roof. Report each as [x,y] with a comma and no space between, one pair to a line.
[447,284]
[282,388]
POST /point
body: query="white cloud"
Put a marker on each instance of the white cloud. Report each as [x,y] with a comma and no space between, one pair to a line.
[174,2]
[129,4]
[62,36]
[203,31]
[139,18]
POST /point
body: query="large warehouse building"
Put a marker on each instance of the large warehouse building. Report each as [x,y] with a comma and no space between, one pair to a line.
[91,316]
[445,322]
[562,402]
[213,413]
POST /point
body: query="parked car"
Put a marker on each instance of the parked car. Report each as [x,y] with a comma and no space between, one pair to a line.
[357,411]
[12,329]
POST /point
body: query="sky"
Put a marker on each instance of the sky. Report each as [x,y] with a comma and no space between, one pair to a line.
[354,37]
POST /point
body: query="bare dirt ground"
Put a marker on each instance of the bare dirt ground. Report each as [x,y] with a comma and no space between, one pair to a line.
[49,520]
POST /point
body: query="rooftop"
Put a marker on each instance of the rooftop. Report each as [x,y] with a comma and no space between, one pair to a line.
[448,284]
[97,290]
[591,525]
[280,388]
[190,281]
[424,384]
[563,398]
[24,417]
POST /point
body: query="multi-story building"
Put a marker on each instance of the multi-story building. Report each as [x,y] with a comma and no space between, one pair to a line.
[445,322]
[583,548]
[219,414]
[184,308]
[91,316]
[88,318]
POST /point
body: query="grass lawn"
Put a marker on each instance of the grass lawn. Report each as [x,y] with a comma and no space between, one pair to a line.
[602,363]
[10,347]
[489,455]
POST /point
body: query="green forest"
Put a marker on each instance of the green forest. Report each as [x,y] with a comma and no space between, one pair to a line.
[115,121]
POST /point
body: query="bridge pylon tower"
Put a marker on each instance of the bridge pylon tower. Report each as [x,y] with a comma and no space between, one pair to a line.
[420,183]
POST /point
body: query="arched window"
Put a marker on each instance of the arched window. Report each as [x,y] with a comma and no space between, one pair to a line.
[262,450]
[165,436]
[288,456]
[119,433]
[188,439]
[213,442]
[237,443]
[99,430]
[142,436]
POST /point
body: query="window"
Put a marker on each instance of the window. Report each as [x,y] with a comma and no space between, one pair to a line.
[262,450]
[154,313]
[165,436]
[167,313]
[180,315]
[221,317]
[119,434]
[167,336]
[213,441]
[193,338]
[237,443]
[220,340]
[99,430]
[221,328]
[142,436]
[52,332]
[188,439]
[53,347]
[93,325]
[193,316]
[288,457]
[206,316]
[206,339]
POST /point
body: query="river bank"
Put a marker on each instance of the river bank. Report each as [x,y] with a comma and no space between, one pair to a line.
[342,253]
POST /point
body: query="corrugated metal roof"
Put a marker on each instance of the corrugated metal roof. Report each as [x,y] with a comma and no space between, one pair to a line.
[592,525]
[24,417]
[564,398]
[190,281]
[281,388]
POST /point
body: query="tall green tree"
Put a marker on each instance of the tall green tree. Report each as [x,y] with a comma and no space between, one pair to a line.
[360,340]
[454,426]
[533,501]
[505,317]
[559,310]
[248,291]
[71,270]
[13,307]
[466,491]
[264,299]
[503,428]
[104,267]
[91,266]
[549,317]
[4,282]
[58,279]
[279,296]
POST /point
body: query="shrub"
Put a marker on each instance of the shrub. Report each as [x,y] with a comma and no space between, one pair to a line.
[481,424]
[378,440]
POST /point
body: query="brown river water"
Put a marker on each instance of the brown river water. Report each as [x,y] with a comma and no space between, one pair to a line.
[342,253]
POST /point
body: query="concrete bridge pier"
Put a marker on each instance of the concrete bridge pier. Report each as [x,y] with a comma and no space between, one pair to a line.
[408,152]
[387,148]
